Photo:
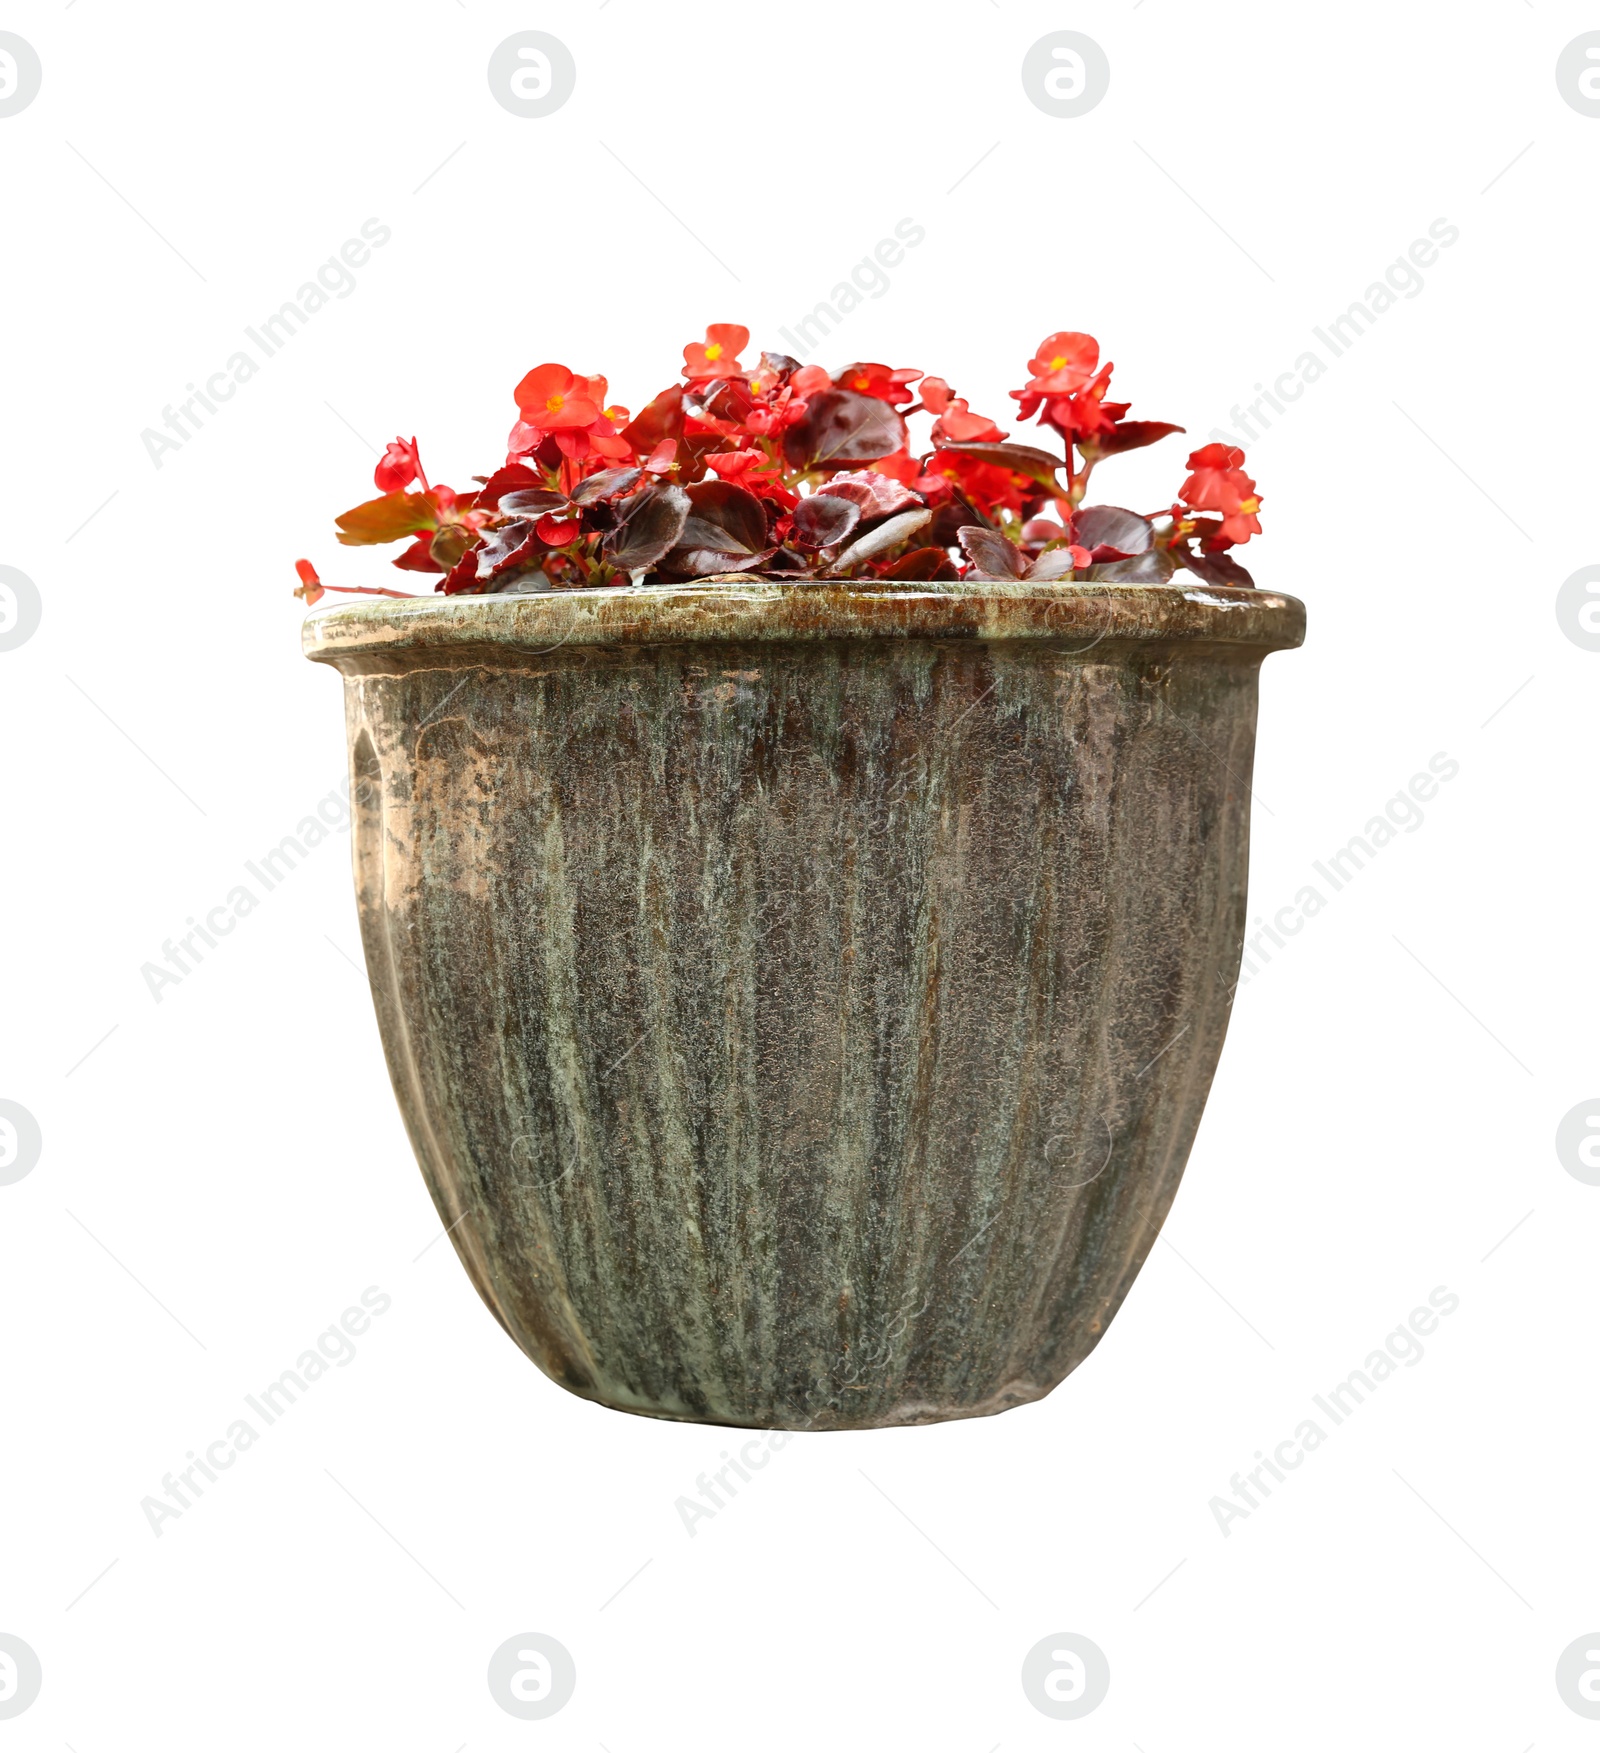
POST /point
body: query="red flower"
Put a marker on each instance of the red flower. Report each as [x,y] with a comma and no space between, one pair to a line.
[718,354]
[598,436]
[989,486]
[557,532]
[1065,362]
[810,380]
[1241,525]
[552,399]
[740,466]
[889,386]
[605,436]
[776,402]
[399,467]
[959,425]
[935,394]
[1217,482]
[601,438]
[755,472]
[900,467]
[1210,468]
[312,589]
[1086,415]
[521,439]
[310,585]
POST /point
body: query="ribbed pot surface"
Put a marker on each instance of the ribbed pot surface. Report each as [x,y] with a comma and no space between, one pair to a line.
[802,999]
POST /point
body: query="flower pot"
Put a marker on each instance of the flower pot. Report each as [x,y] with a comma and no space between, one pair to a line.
[802,998]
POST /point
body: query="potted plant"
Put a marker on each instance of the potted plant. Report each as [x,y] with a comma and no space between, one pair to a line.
[802,874]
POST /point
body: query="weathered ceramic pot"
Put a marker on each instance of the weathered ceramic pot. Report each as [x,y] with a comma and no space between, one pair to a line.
[802,999]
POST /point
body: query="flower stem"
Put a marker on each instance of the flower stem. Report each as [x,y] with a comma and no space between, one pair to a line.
[362,590]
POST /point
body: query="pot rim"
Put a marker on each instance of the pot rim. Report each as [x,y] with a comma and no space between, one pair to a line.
[739,609]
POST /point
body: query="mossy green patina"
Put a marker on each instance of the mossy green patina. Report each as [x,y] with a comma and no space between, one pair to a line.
[802,999]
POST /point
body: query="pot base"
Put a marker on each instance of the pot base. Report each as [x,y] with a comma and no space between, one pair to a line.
[905,1417]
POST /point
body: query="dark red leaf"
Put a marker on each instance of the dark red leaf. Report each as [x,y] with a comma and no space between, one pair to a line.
[726,531]
[789,563]
[662,418]
[722,399]
[840,428]
[419,557]
[724,517]
[881,538]
[1214,568]
[877,495]
[703,562]
[1111,533]
[1022,459]
[823,519]
[1053,564]
[534,502]
[652,522]
[949,517]
[462,579]
[505,548]
[1130,435]
[991,554]
[1154,566]
[506,480]
[607,484]
[922,565]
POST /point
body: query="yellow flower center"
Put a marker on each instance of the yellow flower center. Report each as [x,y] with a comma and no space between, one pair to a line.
[714,351]
[1249,506]
[863,383]
[1057,363]
[553,404]
[755,386]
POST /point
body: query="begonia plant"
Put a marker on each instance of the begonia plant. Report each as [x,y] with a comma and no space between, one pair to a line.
[803,476]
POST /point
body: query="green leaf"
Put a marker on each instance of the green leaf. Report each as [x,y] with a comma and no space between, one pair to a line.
[450,544]
[389,519]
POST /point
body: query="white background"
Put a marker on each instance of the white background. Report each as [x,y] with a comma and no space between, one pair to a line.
[226,1171]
